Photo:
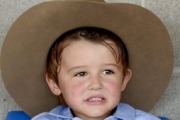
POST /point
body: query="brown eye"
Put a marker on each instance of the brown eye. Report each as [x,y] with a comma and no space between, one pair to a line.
[80,74]
[108,72]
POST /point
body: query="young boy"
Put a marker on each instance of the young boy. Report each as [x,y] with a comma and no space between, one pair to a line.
[89,68]
[88,65]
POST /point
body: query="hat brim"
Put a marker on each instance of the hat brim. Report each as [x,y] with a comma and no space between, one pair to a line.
[25,49]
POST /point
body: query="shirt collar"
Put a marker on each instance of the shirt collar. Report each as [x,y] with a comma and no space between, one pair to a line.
[62,112]
[124,112]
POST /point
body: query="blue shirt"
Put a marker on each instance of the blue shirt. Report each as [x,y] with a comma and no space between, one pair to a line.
[123,112]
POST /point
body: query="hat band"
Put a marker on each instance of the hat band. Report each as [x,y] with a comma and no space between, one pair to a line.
[88,0]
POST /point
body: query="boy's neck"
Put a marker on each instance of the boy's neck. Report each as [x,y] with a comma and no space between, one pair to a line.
[94,118]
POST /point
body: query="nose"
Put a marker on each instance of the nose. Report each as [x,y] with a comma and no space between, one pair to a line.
[95,83]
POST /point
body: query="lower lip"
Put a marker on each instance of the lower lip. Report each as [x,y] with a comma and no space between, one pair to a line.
[95,102]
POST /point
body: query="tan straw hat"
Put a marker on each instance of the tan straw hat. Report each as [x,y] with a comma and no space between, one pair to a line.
[24,52]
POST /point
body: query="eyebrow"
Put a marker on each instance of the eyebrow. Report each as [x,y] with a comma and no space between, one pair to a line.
[83,66]
[76,67]
[111,64]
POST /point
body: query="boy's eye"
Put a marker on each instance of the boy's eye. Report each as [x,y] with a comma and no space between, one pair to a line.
[80,74]
[108,72]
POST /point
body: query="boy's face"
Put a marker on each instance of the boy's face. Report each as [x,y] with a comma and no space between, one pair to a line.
[90,80]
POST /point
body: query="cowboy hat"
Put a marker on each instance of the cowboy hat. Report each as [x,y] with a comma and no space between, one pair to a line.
[24,52]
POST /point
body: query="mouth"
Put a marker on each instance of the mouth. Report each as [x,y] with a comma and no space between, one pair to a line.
[95,100]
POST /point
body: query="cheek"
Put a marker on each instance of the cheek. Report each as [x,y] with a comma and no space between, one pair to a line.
[114,88]
[72,91]
[78,89]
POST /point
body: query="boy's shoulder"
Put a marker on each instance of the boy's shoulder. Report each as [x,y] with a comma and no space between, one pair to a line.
[42,116]
[141,115]
[127,112]
[58,113]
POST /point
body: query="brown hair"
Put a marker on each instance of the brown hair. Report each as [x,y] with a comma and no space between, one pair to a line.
[92,34]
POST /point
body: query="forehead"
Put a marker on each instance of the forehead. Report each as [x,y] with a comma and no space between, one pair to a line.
[84,43]
[81,44]
[105,42]
[84,54]
[84,47]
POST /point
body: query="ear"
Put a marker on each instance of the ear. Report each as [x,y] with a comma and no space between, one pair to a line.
[126,79]
[53,86]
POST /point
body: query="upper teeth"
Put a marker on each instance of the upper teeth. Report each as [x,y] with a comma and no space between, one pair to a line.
[95,99]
